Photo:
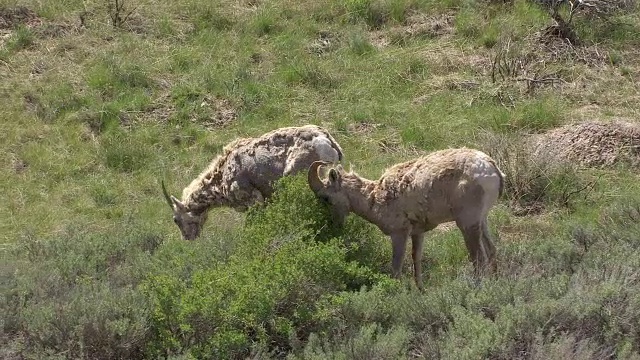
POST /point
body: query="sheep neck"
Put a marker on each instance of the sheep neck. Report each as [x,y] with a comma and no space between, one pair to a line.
[202,195]
[359,192]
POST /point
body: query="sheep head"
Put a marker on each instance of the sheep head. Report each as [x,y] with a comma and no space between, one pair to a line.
[189,223]
[325,180]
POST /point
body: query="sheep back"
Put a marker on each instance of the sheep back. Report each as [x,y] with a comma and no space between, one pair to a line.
[433,186]
[245,171]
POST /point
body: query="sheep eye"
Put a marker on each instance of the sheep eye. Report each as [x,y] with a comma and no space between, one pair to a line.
[175,220]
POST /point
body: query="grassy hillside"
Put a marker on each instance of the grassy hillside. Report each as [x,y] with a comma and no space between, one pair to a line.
[100,103]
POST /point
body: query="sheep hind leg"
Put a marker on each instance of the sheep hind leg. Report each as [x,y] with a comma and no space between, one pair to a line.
[417,240]
[399,246]
[489,249]
[472,234]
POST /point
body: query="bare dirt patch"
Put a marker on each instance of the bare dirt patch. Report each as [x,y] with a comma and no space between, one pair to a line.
[13,18]
[137,24]
[447,59]
[379,39]
[446,227]
[417,25]
[324,43]
[10,18]
[363,127]
[212,113]
[160,110]
[592,144]
[223,112]
[19,165]
[56,30]
[420,25]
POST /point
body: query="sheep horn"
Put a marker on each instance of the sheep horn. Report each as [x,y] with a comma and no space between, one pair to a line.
[312,177]
[166,195]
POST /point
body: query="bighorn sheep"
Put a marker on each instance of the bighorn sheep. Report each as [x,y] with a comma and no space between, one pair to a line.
[244,173]
[412,198]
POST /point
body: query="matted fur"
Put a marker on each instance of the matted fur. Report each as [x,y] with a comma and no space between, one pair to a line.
[414,197]
[247,168]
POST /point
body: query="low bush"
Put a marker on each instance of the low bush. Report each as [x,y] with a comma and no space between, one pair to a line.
[75,294]
[369,343]
[287,284]
[552,297]
[263,298]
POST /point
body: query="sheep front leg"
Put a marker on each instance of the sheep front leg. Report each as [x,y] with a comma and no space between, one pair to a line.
[399,246]
[417,240]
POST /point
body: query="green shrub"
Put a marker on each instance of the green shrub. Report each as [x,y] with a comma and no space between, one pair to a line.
[294,209]
[389,305]
[287,283]
[471,335]
[549,294]
[552,253]
[263,298]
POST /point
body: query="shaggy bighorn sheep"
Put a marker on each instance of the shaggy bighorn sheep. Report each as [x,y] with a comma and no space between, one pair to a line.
[244,174]
[412,198]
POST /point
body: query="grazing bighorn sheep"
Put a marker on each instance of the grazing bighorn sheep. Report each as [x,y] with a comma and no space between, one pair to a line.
[412,198]
[244,174]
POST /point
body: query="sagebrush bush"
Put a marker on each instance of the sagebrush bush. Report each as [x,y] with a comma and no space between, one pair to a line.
[289,284]
[370,342]
[550,294]
[75,294]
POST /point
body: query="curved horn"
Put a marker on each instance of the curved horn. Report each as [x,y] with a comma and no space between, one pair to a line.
[312,177]
[166,195]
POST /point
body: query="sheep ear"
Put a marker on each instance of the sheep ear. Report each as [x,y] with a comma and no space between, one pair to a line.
[178,205]
[333,176]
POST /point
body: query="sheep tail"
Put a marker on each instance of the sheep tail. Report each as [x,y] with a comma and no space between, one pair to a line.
[334,144]
[502,179]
